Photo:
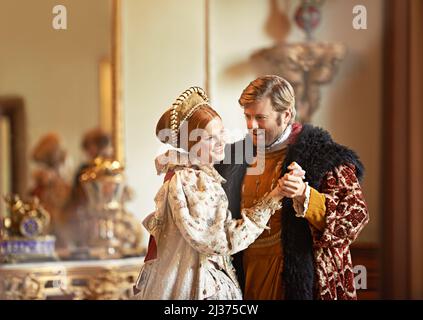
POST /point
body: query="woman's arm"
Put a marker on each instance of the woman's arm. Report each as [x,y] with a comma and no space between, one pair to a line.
[200,210]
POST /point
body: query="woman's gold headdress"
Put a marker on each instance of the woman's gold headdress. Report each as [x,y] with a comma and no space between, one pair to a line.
[182,111]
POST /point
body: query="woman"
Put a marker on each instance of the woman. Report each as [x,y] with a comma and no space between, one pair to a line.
[192,227]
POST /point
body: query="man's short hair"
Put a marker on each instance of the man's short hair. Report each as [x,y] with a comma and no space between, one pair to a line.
[279,91]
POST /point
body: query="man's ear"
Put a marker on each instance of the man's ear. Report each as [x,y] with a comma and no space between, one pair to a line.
[286,116]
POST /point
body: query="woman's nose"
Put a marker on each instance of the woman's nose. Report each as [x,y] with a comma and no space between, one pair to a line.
[221,141]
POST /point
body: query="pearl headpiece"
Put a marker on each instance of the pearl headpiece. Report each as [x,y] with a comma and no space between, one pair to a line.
[183,114]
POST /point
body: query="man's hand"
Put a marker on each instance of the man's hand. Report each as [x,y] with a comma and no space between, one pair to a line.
[296,170]
[292,184]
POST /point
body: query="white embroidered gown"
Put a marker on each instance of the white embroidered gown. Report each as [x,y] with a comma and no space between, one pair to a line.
[195,236]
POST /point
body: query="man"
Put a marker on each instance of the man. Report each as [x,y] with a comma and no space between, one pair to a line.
[305,254]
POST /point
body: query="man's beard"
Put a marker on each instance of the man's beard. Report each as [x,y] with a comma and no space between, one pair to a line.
[279,123]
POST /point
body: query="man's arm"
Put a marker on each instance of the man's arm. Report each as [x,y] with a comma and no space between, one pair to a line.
[338,211]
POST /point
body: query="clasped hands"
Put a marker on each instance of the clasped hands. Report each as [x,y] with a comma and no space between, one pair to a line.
[291,185]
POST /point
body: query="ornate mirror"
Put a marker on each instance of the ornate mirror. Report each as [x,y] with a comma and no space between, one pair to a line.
[60,110]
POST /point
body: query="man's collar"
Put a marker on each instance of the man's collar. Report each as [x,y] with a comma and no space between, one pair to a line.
[280,142]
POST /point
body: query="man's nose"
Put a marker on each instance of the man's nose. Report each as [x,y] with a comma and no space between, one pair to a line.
[252,124]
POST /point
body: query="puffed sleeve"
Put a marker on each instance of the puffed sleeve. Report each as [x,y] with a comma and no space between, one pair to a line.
[155,220]
[200,210]
[346,211]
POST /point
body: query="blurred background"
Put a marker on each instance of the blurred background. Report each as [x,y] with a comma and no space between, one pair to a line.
[108,76]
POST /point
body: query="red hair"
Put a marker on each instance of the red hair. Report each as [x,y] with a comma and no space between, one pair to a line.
[198,120]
